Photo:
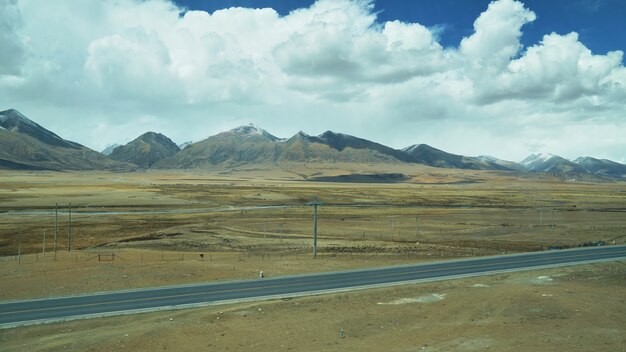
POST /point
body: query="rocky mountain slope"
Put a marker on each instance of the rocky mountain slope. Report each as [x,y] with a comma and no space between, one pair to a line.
[544,162]
[146,150]
[26,145]
[427,155]
[602,167]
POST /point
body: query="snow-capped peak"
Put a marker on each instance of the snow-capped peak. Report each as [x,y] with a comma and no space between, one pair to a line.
[488,158]
[185,144]
[538,158]
[251,130]
[411,148]
[110,148]
[12,113]
[544,156]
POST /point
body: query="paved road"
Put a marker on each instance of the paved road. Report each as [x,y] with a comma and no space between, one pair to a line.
[64,308]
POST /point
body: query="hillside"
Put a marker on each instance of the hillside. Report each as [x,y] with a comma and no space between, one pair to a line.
[145,150]
[427,155]
[602,167]
[25,145]
[554,164]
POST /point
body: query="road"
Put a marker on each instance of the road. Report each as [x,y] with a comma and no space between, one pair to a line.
[20,313]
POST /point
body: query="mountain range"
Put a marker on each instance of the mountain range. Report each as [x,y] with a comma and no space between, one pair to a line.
[26,145]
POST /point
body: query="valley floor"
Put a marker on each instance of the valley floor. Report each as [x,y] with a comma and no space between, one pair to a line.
[156,228]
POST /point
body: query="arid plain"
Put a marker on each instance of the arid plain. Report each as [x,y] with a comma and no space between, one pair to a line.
[154,228]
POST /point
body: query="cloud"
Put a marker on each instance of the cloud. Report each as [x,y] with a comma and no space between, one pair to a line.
[558,69]
[496,35]
[343,42]
[12,52]
[124,67]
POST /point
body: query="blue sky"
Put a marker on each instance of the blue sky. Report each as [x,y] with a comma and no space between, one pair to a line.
[601,24]
[506,78]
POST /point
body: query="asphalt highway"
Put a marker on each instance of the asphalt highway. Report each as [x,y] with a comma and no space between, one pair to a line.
[18,313]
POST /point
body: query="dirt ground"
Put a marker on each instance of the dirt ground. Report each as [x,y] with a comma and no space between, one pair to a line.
[145,229]
[579,308]
[83,271]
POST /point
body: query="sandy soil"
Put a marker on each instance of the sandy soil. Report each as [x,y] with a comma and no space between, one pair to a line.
[579,308]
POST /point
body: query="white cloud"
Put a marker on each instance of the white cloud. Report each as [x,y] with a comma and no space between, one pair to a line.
[123,67]
[12,51]
[496,35]
[560,68]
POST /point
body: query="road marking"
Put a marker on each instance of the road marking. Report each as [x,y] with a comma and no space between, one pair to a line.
[524,260]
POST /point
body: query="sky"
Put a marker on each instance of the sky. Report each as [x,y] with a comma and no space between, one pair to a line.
[504,78]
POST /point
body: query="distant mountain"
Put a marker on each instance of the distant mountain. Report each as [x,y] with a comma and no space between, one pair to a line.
[602,167]
[26,145]
[146,150]
[239,145]
[110,148]
[13,121]
[427,155]
[184,145]
[338,147]
[505,163]
[545,162]
[251,144]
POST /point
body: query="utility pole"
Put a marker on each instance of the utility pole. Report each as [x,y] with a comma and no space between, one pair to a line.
[43,252]
[56,226]
[69,229]
[417,226]
[281,233]
[541,217]
[315,203]
[19,248]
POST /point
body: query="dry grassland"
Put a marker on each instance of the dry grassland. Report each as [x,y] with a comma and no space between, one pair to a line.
[262,210]
[199,226]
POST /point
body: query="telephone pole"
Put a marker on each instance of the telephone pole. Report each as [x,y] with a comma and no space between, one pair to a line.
[69,229]
[44,243]
[19,248]
[314,204]
[417,228]
[56,226]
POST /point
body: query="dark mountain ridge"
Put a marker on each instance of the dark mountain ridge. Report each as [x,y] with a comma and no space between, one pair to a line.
[602,167]
[145,150]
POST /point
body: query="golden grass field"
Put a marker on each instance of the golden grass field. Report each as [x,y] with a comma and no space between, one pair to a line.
[172,227]
[263,210]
